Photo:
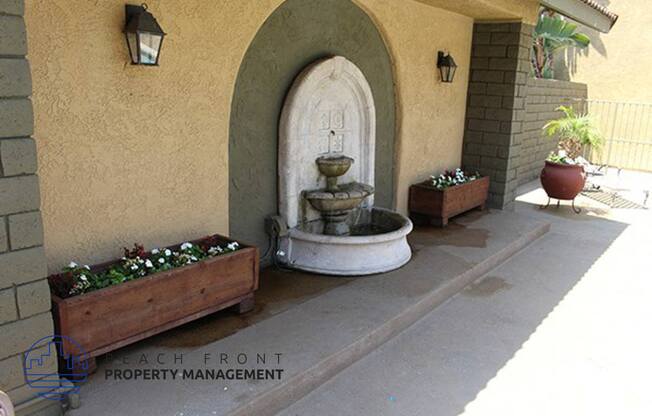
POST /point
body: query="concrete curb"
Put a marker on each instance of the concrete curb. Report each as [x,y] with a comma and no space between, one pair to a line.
[281,396]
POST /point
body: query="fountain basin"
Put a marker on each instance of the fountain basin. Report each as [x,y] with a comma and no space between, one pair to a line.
[378,244]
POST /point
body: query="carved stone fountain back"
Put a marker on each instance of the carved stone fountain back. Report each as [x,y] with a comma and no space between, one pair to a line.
[328,111]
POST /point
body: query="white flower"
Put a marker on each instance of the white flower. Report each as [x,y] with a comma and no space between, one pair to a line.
[149,264]
[83,277]
[168,252]
[87,267]
[193,258]
[186,246]
[156,251]
[72,265]
[134,267]
[161,260]
[215,250]
[140,260]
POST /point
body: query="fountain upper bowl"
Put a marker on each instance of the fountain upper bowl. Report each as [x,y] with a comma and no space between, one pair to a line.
[333,166]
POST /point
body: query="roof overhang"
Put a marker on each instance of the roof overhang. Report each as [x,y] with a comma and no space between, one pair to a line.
[587,12]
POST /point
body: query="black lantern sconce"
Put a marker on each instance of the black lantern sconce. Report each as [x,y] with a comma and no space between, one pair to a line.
[447,66]
[144,35]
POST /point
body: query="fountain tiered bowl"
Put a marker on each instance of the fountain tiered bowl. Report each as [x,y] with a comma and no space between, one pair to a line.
[336,202]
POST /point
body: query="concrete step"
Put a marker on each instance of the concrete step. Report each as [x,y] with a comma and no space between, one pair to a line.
[323,336]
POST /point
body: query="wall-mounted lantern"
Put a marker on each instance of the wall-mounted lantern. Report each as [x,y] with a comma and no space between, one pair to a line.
[447,66]
[144,35]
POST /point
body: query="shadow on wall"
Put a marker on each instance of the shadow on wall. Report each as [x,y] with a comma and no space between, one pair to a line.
[566,64]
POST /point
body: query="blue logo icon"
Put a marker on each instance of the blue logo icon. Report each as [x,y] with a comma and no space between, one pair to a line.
[46,355]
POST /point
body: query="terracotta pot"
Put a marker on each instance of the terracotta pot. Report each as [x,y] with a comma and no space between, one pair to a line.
[562,181]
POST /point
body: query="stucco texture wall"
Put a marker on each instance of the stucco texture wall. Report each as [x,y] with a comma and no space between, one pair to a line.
[430,113]
[616,66]
[129,154]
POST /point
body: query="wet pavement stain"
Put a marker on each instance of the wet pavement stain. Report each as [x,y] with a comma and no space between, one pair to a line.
[487,287]
[279,291]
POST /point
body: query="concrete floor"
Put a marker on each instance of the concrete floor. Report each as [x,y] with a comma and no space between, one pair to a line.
[320,324]
[558,329]
[562,328]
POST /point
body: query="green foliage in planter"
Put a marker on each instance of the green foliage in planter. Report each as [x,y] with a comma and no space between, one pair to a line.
[136,263]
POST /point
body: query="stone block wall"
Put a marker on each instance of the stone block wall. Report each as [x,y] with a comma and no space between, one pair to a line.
[496,105]
[506,109]
[24,294]
[543,97]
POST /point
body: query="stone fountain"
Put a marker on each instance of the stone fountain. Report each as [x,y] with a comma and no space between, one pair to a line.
[328,223]
[335,203]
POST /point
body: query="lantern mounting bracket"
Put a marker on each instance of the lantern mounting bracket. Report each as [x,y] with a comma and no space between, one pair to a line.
[132,10]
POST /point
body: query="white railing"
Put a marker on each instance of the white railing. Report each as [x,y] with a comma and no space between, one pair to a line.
[627,128]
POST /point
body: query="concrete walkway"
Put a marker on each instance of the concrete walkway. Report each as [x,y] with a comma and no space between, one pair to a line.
[331,327]
[560,329]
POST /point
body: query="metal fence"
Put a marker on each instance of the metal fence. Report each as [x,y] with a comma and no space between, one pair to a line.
[627,128]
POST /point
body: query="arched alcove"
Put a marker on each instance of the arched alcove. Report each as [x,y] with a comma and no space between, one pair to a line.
[296,34]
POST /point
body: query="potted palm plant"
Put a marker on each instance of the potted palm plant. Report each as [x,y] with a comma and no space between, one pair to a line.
[563,175]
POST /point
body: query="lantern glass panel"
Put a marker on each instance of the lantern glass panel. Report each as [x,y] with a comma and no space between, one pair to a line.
[149,47]
[132,41]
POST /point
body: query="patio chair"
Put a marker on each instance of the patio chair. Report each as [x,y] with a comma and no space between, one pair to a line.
[592,171]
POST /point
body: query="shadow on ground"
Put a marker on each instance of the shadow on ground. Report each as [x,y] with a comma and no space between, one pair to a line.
[442,363]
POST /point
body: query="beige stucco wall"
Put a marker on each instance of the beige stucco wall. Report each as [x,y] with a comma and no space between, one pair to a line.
[430,113]
[617,65]
[140,154]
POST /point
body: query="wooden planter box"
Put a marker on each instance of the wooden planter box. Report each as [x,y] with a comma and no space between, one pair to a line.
[429,204]
[110,318]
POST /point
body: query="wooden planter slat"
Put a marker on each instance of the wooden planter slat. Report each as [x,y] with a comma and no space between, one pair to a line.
[439,205]
[110,318]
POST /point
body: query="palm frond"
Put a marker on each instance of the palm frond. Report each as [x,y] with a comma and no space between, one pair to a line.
[573,130]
